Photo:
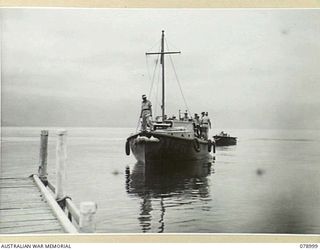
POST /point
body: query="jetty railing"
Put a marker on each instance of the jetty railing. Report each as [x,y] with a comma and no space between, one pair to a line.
[72,219]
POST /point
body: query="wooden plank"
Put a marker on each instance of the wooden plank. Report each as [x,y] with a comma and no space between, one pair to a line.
[48,232]
[27,198]
[13,191]
[5,194]
[15,178]
[17,206]
[31,229]
[14,212]
[27,185]
[16,182]
[9,224]
[24,202]
[25,217]
[15,186]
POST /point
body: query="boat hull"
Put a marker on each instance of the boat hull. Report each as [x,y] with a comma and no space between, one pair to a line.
[225,140]
[162,147]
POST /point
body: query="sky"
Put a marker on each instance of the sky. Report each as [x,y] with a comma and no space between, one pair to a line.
[249,68]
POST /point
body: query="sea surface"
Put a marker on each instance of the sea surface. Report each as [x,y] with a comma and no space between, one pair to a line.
[268,183]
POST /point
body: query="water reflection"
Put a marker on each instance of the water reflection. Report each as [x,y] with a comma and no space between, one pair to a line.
[161,186]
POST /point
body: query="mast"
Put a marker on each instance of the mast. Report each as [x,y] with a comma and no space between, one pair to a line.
[163,85]
[162,53]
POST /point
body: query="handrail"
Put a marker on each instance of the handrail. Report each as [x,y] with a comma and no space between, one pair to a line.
[66,224]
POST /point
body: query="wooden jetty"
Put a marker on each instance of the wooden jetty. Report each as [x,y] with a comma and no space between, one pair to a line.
[23,208]
[32,205]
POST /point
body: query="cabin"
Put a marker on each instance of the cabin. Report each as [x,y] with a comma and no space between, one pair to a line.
[175,128]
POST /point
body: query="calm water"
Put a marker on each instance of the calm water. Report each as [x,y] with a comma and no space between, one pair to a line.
[228,196]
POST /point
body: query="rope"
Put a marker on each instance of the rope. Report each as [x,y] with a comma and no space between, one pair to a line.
[176,75]
[153,75]
[157,91]
[155,44]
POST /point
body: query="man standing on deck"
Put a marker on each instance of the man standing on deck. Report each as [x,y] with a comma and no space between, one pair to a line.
[196,122]
[208,119]
[146,114]
[185,118]
[205,125]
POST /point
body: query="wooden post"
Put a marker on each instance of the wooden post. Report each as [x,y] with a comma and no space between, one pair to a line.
[42,171]
[61,157]
[87,212]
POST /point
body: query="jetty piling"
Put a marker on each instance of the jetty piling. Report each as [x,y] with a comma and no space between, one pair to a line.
[42,171]
[87,212]
[61,158]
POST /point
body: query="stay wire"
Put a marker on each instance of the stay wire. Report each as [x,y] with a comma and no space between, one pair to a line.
[153,75]
[157,91]
[177,78]
[153,82]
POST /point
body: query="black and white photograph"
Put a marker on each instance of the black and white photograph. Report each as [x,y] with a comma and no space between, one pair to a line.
[160,120]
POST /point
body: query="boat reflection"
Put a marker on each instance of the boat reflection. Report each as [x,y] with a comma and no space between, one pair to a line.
[168,186]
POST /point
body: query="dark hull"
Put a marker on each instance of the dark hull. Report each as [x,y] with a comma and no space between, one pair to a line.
[167,148]
[225,140]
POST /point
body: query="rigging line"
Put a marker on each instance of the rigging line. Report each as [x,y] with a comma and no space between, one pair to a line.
[152,81]
[155,67]
[148,71]
[158,42]
[171,46]
[177,78]
[157,91]
[147,64]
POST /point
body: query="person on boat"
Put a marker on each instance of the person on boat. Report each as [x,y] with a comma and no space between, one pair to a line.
[209,121]
[205,125]
[146,114]
[173,118]
[201,126]
[196,122]
[186,118]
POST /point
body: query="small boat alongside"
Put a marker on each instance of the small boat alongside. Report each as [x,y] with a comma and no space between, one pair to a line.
[224,139]
[168,139]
